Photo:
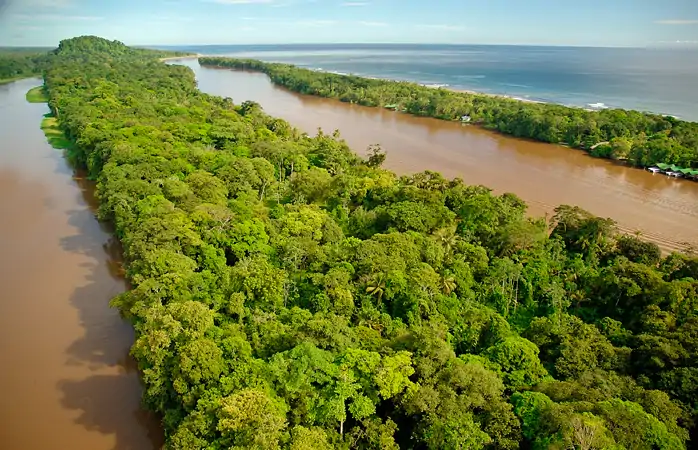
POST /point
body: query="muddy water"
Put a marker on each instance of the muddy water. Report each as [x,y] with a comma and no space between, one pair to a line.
[663,210]
[67,381]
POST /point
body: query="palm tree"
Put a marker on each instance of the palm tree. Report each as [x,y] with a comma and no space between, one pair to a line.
[448,284]
[448,238]
[376,287]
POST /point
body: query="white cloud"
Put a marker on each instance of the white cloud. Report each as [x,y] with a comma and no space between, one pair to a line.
[373,24]
[56,17]
[316,23]
[677,22]
[441,27]
[354,3]
[174,18]
[241,2]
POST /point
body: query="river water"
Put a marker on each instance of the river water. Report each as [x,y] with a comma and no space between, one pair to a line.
[663,210]
[67,379]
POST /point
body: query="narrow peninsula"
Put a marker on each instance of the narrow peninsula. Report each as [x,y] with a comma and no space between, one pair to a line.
[639,139]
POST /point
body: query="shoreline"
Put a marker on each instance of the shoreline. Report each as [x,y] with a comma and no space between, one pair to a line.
[588,107]
[12,80]
[430,86]
[172,58]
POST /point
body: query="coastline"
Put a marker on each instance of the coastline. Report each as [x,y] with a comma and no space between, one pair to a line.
[502,96]
[172,58]
[430,86]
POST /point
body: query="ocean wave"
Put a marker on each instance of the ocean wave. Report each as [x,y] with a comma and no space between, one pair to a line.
[527,99]
[524,86]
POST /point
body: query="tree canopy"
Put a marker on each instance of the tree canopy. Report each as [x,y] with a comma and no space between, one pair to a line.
[287,294]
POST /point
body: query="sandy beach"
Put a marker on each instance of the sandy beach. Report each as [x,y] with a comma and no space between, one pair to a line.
[172,58]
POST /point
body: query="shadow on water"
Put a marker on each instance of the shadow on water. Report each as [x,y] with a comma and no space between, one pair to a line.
[95,398]
[69,381]
[107,402]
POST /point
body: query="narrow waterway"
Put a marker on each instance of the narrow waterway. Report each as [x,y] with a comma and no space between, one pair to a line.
[662,209]
[68,381]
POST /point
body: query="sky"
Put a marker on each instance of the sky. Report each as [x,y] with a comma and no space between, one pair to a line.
[179,22]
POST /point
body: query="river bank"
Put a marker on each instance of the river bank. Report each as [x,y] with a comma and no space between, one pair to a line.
[640,139]
[68,378]
[12,80]
[661,209]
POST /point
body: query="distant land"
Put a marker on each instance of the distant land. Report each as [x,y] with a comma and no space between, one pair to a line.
[658,80]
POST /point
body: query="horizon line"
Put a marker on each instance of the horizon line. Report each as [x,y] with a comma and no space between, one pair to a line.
[652,45]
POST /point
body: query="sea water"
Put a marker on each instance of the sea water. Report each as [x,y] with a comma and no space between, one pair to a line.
[659,80]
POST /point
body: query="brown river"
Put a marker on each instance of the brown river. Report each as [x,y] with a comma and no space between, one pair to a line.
[67,380]
[663,210]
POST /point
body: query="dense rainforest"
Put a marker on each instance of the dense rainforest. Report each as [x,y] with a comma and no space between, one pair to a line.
[26,62]
[288,294]
[18,63]
[638,138]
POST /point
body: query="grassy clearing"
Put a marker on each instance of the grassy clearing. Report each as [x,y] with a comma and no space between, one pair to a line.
[54,134]
[37,95]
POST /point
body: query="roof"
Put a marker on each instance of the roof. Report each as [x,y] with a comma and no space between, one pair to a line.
[674,168]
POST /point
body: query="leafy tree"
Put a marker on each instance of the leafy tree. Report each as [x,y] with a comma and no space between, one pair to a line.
[251,419]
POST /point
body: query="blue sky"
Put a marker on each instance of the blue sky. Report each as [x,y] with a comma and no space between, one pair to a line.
[163,22]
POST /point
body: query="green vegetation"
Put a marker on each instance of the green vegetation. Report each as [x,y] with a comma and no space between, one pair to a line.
[55,136]
[638,138]
[37,95]
[287,294]
[10,80]
[19,63]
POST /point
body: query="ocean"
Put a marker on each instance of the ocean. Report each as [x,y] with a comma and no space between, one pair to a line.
[658,80]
